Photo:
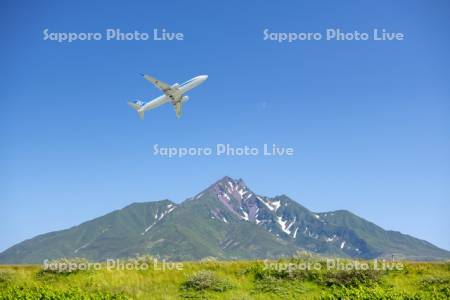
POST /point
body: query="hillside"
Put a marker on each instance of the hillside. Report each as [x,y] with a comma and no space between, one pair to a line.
[227,220]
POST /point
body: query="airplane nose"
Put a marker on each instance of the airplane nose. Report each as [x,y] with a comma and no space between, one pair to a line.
[203,77]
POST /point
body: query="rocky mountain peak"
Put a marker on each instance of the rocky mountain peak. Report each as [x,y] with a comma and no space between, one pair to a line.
[232,188]
[227,180]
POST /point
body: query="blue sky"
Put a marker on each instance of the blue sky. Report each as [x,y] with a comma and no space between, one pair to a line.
[369,121]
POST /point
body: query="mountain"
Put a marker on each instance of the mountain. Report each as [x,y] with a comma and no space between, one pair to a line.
[228,221]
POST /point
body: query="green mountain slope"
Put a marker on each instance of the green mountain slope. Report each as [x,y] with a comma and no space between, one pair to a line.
[110,236]
[386,242]
[228,221]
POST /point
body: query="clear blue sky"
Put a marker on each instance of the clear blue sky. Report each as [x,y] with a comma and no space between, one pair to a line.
[369,121]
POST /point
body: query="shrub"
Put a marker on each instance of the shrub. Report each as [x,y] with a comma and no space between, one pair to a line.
[6,277]
[269,285]
[261,272]
[206,280]
[45,292]
[279,288]
[436,286]
[427,281]
[365,293]
[351,278]
[66,265]
[142,260]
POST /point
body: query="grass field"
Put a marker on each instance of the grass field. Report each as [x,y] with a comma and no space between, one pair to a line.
[283,279]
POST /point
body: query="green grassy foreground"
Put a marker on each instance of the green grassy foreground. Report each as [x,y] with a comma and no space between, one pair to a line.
[229,280]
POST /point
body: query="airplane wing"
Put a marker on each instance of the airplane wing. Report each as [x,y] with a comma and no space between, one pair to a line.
[177,107]
[159,84]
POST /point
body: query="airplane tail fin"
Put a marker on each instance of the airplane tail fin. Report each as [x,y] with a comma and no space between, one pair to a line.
[137,105]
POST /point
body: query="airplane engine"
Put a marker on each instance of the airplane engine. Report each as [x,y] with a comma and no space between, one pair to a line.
[185,99]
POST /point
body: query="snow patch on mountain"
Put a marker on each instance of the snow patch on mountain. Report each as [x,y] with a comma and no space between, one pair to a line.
[290,225]
[162,215]
[282,223]
[82,247]
[276,205]
[272,206]
[242,192]
[245,217]
[147,229]
[295,233]
[331,239]
[169,209]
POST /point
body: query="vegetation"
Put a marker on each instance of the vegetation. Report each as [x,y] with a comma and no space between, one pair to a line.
[205,280]
[212,279]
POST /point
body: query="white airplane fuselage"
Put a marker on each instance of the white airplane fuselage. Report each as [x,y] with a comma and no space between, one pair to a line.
[177,95]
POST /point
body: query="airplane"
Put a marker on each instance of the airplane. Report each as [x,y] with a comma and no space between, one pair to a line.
[172,93]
